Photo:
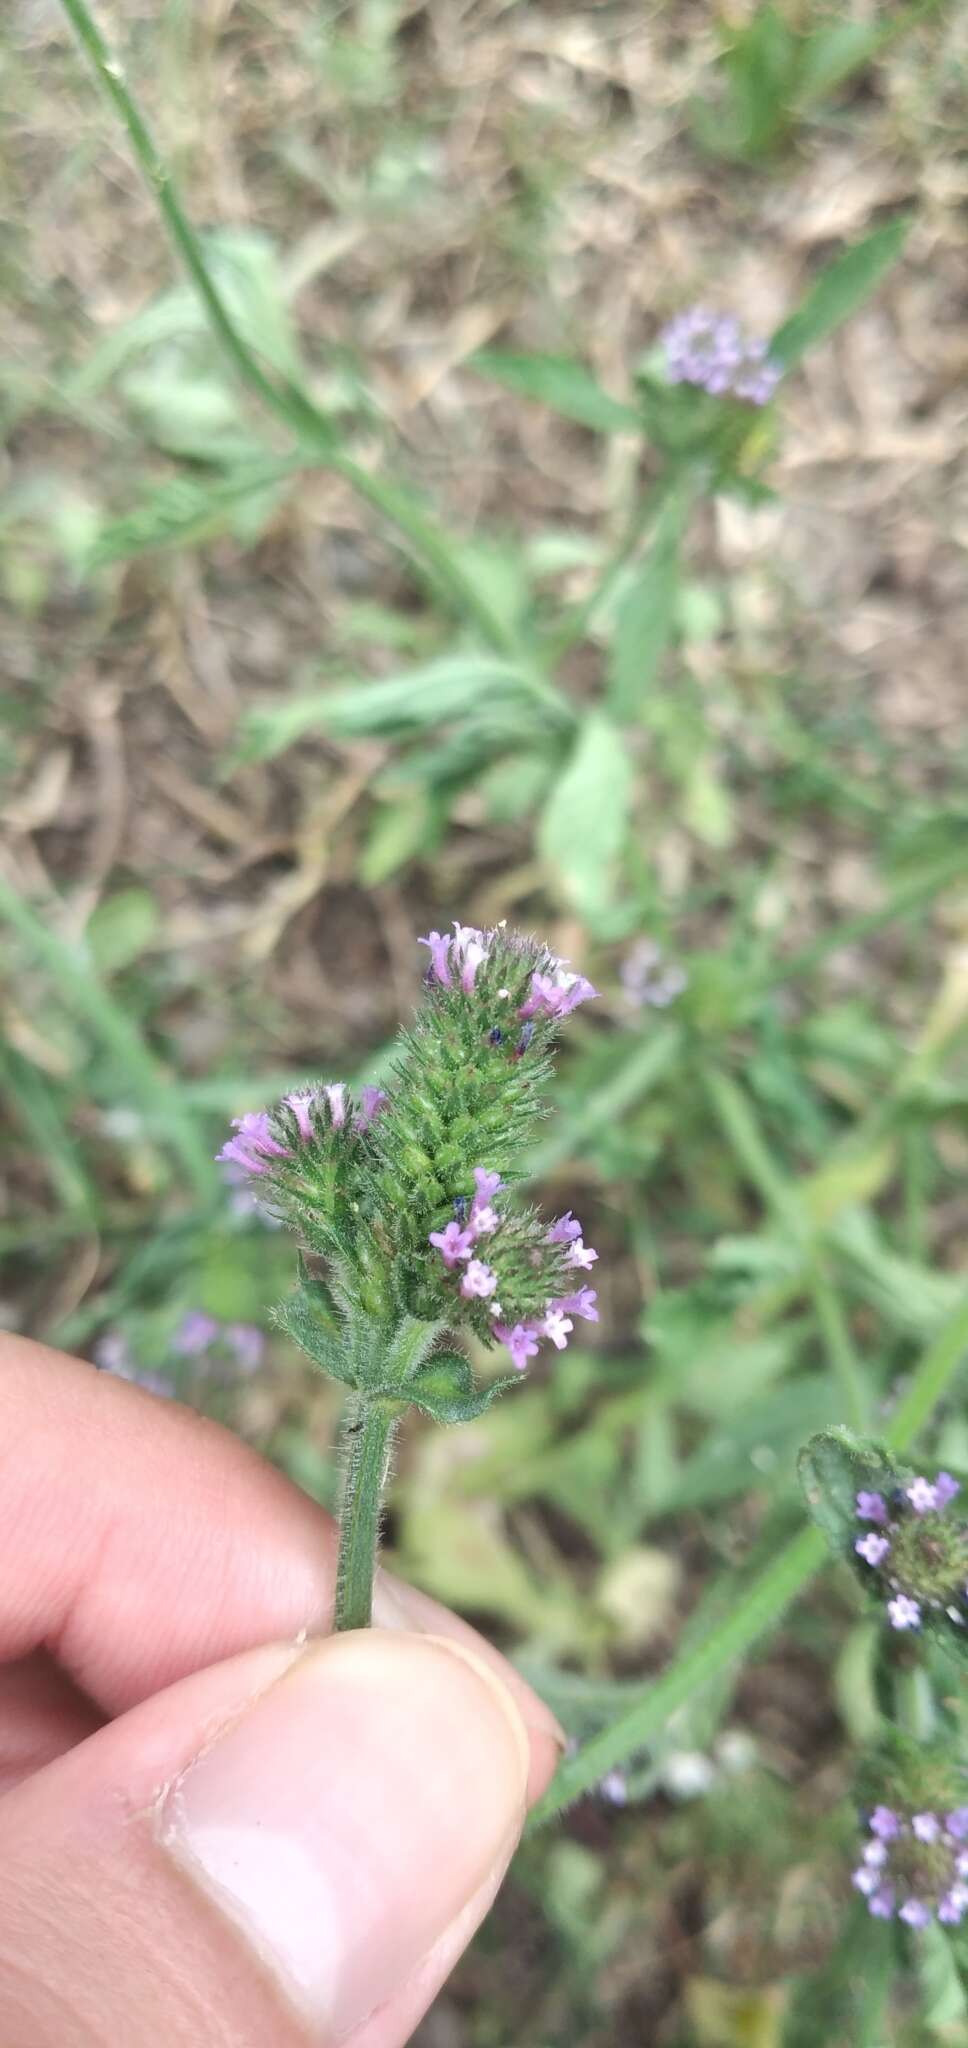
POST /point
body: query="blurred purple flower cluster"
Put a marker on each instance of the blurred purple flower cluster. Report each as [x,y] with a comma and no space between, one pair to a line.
[711,351]
[916,1865]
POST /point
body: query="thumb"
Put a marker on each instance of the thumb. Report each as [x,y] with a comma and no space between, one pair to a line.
[289,1848]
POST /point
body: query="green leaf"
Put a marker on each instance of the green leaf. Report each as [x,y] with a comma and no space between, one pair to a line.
[561,383]
[401,831]
[301,1321]
[451,687]
[184,511]
[445,1390]
[643,627]
[833,1468]
[839,290]
[584,823]
[120,928]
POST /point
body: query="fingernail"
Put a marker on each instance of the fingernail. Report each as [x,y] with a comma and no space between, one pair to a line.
[397,1605]
[347,1819]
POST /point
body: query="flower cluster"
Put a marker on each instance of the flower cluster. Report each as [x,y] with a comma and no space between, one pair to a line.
[258,1143]
[200,1335]
[526,1265]
[916,1865]
[456,958]
[917,1550]
[649,979]
[710,350]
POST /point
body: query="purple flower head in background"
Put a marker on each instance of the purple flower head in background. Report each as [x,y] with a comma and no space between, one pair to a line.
[916,1552]
[711,351]
[648,980]
[913,1864]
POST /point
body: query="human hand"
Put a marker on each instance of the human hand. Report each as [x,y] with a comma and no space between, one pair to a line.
[217,1825]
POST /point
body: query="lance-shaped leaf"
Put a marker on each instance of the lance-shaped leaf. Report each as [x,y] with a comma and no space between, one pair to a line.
[833,1468]
[444,1389]
[300,1318]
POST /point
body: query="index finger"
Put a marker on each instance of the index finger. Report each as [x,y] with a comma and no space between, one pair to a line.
[140,1541]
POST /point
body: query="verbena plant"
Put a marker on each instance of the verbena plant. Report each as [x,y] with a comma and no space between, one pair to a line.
[387,1197]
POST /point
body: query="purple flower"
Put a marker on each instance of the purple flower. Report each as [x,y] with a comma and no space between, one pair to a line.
[373,1102]
[335,1094]
[885,1823]
[875,1853]
[957,1824]
[922,1496]
[484,1217]
[646,981]
[301,1104]
[882,1903]
[521,1342]
[954,1905]
[479,1280]
[871,1507]
[453,1243]
[872,1548]
[195,1333]
[915,1912]
[580,1304]
[247,1343]
[564,1229]
[711,351]
[614,1788]
[486,1184]
[865,1880]
[255,1145]
[470,951]
[926,1826]
[439,969]
[556,993]
[580,1254]
[903,1612]
[946,1488]
[557,1325]
[465,952]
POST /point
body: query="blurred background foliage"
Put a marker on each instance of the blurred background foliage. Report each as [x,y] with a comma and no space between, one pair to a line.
[511,628]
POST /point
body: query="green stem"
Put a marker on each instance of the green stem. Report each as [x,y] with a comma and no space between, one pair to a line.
[366,1442]
[762,1604]
[835,1331]
[284,399]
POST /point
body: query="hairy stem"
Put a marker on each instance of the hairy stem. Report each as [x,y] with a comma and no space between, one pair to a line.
[759,1607]
[366,1442]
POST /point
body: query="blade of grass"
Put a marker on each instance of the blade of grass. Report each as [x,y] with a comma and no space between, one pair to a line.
[905,898]
[736,1118]
[757,1609]
[284,398]
[149,1084]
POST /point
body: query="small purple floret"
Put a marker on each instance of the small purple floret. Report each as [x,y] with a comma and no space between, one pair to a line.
[871,1507]
[922,1496]
[581,1304]
[946,1488]
[255,1145]
[521,1342]
[564,1229]
[195,1333]
[479,1280]
[903,1612]
[885,1823]
[916,1913]
[711,351]
[453,1243]
[872,1548]
[926,1826]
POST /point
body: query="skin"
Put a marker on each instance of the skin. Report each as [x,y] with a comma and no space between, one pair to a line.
[167,1678]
